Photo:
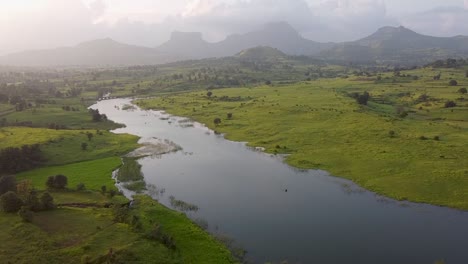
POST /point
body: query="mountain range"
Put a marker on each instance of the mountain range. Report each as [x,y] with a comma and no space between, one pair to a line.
[393,45]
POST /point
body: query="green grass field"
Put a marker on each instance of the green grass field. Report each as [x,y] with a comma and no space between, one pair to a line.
[47,114]
[64,146]
[74,235]
[319,126]
[93,174]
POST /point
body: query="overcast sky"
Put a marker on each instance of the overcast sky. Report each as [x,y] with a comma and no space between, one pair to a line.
[37,24]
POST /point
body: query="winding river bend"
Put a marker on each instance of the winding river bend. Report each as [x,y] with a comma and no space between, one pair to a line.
[278,213]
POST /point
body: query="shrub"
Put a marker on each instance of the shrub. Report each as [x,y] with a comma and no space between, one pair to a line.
[462,90]
[7,183]
[26,214]
[450,104]
[57,182]
[47,201]
[10,202]
[80,187]
[453,83]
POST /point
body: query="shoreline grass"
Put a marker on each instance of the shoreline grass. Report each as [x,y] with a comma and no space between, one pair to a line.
[321,128]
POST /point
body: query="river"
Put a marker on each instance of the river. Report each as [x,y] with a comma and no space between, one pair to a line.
[279,213]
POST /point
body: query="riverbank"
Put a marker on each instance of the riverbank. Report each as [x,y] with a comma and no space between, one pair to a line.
[92,222]
[420,157]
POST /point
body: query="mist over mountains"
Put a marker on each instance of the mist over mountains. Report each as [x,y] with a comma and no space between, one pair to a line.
[391,45]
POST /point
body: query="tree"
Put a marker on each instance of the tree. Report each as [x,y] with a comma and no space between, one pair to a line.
[453,83]
[57,182]
[462,90]
[363,98]
[26,214]
[209,94]
[229,115]
[47,201]
[80,187]
[84,146]
[60,181]
[89,135]
[7,183]
[32,201]
[103,189]
[217,121]
[450,104]
[10,202]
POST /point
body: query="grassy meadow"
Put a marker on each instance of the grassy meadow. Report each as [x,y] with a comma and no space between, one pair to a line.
[398,145]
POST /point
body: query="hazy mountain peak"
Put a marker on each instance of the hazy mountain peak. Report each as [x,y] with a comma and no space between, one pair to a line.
[261,53]
[99,42]
[281,28]
[178,36]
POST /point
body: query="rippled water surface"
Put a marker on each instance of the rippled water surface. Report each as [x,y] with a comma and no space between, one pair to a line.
[277,213]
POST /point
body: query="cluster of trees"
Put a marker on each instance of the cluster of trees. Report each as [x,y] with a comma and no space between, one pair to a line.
[361,99]
[57,182]
[13,160]
[96,116]
[449,63]
[22,198]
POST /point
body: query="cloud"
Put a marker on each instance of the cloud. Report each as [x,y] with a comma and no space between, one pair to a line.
[98,8]
[349,19]
[241,16]
[442,21]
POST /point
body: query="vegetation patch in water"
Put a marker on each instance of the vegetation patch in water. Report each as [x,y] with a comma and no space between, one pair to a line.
[181,205]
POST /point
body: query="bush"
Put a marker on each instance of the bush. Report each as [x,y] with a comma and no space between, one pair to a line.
[453,83]
[47,201]
[80,187]
[7,183]
[10,202]
[462,90]
[450,104]
[26,214]
[32,201]
[57,182]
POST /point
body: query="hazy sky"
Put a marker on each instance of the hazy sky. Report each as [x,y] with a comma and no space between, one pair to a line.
[36,24]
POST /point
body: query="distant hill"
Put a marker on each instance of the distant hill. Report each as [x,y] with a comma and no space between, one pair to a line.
[261,53]
[101,52]
[276,35]
[390,45]
[398,45]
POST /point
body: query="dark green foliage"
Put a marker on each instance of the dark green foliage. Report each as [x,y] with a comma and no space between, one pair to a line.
[90,136]
[10,202]
[32,201]
[7,183]
[96,116]
[453,83]
[80,187]
[84,146]
[13,160]
[209,94]
[112,193]
[217,121]
[47,201]
[436,138]
[26,214]
[391,133]
[462,90]
[57,182]
[158,235]
[361,99]
[268,82]
[120,213]
[229,115]
[103,189]
[450,104]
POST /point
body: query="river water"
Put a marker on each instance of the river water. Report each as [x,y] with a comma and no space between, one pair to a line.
[279,213]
